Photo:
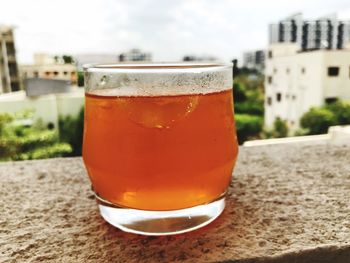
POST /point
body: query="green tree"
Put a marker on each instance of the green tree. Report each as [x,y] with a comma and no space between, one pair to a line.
[341,110]
[248,126]
[317,120]
[248,105]
[67,59]
[56,59]
[239,93]
[23,142]
[80,79]
[71,132]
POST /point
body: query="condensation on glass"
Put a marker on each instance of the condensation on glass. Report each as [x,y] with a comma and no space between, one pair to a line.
[159,144]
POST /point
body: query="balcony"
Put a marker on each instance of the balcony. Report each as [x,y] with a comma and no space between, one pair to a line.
[11,58]
[286,203]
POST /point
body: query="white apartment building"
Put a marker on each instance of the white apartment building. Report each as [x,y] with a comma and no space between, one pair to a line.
[254,60]
[296,81]
[9,80]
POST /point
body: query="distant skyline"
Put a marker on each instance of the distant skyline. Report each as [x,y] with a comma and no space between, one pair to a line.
[168,29]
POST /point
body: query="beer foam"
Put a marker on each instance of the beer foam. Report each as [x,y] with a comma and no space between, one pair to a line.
[157,79]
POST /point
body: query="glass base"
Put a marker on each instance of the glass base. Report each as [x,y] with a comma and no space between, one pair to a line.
[158,223]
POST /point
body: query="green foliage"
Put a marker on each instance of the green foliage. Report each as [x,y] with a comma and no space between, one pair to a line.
[248,126]
[239,93]
[251,82]
[43,152]
[67,59]
[23,142]
[56,59]
[71,131]
[80,79]
[341,110]
[301,132]
[248,96]
[248,106]
[317,120]
[4,119]
[280,128]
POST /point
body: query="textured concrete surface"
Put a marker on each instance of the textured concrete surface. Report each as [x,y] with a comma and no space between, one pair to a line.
[287,203]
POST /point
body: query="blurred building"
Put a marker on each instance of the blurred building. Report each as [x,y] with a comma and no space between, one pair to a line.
[135,55]
[9,79]
[202,58]
[307,65]
[254,60]
[38,86]
[48,67]
[323,33]
[47,108]
[296,81]
[94,58]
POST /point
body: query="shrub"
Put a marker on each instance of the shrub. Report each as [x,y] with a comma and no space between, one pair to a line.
[23,142]
[71,131]
[341,110]
[280,128]
[248,126]
[317,120]
[249,107]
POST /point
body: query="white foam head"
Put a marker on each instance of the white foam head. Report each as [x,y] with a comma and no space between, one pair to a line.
[157,79]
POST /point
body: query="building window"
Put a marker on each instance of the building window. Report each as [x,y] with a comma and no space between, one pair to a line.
[269,101]
[331,100]
[270,54]
[72,73]
[288,70]
[47,73]
[36,74]
[278,96]
[303,70]
[275,70]
[294,97]
[12,69]
[14,86]
[55,73]
[269,79]
[333,71]
[65,73]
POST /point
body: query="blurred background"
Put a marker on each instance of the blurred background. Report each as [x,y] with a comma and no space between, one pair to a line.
[291,62]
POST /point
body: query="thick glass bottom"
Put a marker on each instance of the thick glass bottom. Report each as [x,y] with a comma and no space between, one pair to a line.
[158,223]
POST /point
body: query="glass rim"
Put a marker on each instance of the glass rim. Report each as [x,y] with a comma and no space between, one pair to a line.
[156,67]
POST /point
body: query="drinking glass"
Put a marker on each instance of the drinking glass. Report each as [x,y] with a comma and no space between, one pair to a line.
[159,144]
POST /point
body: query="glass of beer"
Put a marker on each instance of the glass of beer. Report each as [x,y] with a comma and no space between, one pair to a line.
[159,144]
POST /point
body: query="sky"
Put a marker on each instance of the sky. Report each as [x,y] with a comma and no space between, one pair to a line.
[169,29]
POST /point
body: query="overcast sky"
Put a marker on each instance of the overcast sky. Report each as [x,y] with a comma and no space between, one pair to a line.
[169,29]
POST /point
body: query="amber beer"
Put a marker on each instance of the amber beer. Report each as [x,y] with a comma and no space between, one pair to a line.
[160,153]
[159,144]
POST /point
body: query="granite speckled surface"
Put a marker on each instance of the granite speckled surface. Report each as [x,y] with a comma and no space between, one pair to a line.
[286,203]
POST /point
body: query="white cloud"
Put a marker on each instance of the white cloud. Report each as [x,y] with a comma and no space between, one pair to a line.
[169,29]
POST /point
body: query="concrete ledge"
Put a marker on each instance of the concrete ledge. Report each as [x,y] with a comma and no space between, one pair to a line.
[286,203]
